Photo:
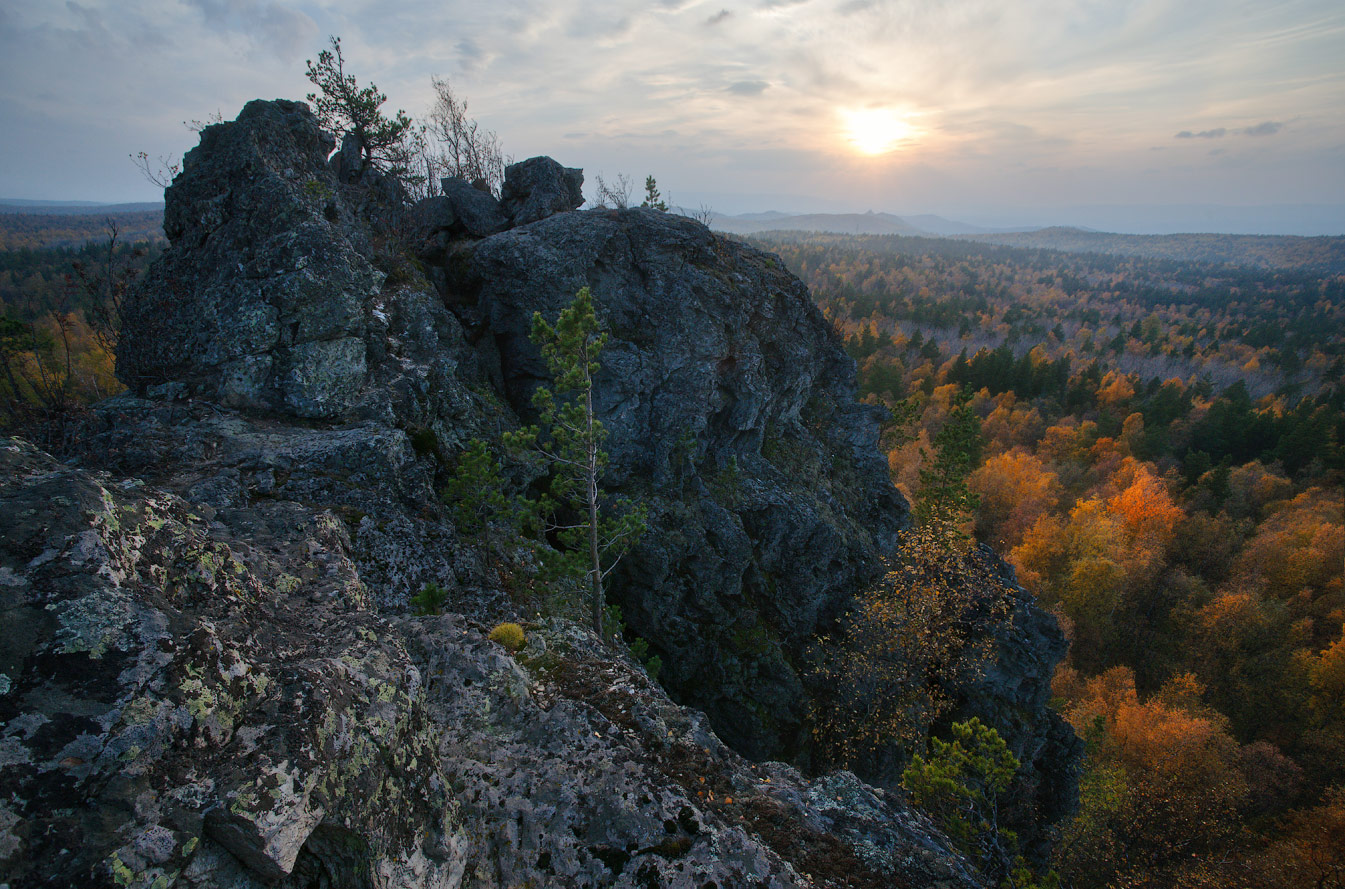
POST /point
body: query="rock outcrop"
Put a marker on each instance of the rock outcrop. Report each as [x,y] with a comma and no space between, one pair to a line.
[207,698]
[263,303]
[539,187]
[731,412]
[210,676]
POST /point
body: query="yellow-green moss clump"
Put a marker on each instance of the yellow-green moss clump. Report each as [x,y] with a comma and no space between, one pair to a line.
[508,635]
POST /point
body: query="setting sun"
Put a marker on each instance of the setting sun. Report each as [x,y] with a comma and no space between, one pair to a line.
[875,131]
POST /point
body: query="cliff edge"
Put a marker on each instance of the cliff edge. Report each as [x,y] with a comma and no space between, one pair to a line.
[210,676]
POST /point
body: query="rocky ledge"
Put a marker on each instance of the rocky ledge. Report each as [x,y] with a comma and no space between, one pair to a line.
[207,698]
[209,675]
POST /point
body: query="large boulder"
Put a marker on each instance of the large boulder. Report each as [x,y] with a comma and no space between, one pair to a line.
[731,412]
[260,300]
[540,187]
[475,213]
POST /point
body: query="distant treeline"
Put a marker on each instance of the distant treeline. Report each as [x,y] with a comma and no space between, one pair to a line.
[1322,254]
[40,230]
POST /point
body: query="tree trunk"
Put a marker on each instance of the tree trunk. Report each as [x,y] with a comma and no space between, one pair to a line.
[595,564]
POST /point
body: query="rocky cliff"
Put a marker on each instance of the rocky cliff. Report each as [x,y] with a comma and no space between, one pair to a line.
[210,676]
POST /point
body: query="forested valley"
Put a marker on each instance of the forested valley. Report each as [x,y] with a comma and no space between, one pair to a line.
[1161,462]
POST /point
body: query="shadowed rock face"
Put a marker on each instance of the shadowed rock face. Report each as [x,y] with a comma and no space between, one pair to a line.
[261,301]
[208,667]
[731,412]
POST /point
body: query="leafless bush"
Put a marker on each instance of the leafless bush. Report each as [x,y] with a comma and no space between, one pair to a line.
[456,145]
[158,172]
[615,195]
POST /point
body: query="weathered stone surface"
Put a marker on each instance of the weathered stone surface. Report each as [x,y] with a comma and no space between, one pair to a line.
[434,214]
[539,187]
[260,300]
[731,412]
[268,298]
[207,670]
[348,163]
[368,474]
[1013,695]
[204,694]
[476,213]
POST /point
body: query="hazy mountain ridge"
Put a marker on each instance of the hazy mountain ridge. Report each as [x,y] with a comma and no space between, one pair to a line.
[76,208]
[869,223]
[1326,253]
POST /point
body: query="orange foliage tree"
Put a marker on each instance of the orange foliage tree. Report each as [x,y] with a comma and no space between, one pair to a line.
[1016,489]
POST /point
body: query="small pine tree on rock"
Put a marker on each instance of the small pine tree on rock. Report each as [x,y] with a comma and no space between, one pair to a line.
[343,106]
[569,438]
[652,198]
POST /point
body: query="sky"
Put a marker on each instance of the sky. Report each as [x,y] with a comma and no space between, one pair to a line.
[987,111]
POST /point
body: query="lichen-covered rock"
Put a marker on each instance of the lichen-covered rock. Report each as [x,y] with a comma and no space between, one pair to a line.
[177,688]
[259,302]
[731,412]
[539,187]
[268,298]
[369,475]
[202,697]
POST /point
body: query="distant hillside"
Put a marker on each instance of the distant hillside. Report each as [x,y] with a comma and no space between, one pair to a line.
[837,223]
[37,227]
[75,208]
[938,225]
[1262,251]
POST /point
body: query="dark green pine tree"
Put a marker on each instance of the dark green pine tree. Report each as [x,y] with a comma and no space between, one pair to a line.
[945,502]
[344,107]
[569,437]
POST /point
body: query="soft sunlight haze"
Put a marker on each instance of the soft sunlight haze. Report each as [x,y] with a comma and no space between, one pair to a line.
[977,109]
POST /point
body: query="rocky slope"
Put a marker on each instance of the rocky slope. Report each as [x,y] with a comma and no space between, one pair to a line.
[210,676]
[206,697]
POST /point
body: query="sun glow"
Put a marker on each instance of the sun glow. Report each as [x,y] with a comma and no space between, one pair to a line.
[875,131]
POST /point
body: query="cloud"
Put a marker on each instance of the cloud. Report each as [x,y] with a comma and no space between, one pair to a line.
[283,30]
[748,87]
[471,56]
[718,17]
[1266,128]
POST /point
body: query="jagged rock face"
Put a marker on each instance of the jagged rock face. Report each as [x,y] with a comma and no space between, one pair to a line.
[731,412]
[260,301]
[1013,695]
[204,698]
[240,578]
[268,299]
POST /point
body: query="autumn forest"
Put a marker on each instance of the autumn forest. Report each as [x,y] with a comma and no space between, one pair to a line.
[1161,462]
